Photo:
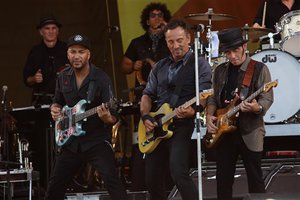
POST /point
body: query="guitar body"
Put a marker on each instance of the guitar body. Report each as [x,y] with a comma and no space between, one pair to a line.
[66,126]
[224,124]
[149,141]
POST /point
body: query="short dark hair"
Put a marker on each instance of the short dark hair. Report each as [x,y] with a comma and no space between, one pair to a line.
[173,24]
[149,8]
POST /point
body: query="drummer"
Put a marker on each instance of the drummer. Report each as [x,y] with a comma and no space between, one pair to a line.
[271,11]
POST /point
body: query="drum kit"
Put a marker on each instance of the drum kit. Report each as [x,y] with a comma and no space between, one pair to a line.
[281,60]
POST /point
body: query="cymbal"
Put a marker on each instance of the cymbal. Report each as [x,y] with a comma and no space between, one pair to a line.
[255,33]
[210,15]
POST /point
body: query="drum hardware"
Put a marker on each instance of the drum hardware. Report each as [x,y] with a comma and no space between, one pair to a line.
[254,34]
[209,16]
[271,38]
[294,119]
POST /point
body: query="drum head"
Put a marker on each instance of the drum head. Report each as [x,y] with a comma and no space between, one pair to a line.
[286,68]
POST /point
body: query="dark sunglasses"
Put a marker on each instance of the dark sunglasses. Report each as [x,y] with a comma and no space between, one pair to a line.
[152,15]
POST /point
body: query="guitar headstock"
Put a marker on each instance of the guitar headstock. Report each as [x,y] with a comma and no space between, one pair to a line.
[206,93]
[268,86]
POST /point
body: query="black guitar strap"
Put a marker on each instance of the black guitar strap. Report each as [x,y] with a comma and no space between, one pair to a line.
[90,92]
[182,75]
[91,89]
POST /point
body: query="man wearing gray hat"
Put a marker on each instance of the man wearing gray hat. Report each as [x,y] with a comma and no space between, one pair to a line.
[83,125]
[233,82]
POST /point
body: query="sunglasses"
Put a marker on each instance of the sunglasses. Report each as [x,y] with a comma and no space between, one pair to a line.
[152,15]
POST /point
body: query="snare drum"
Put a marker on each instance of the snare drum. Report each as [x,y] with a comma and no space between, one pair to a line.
[286,69]
[290,32]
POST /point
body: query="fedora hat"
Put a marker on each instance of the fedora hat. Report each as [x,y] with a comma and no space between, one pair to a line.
[231,39]
[48,20]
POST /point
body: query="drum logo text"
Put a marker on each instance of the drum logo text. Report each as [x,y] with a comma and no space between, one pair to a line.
[269,58]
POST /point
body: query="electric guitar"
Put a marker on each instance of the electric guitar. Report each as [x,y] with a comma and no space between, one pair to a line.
[70,124]
[148,141]
[227,116]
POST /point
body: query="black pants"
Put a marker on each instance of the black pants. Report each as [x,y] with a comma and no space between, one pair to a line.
[228,150]
[67,163]
[172,153]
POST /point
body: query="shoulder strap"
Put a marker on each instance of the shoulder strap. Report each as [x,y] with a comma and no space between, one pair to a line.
[249,73]
[244,87]
[90,92]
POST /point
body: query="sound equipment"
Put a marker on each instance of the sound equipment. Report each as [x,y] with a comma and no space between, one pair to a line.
[209,190]
[281,177]
[142,195]
[35,125]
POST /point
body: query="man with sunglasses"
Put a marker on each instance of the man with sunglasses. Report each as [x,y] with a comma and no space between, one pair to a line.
[139,58]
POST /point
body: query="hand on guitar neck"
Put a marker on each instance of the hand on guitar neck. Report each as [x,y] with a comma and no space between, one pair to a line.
[105,115]
[245,106]
[221,121]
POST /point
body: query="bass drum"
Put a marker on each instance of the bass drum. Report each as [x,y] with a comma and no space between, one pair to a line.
[286,68]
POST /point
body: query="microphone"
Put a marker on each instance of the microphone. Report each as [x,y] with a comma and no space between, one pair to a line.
[113,28]
[198,27]
[4,88]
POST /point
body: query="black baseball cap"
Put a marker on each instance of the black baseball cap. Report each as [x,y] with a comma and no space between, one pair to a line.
[79,40]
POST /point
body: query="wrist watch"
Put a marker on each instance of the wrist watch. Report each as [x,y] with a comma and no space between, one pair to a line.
[260,109]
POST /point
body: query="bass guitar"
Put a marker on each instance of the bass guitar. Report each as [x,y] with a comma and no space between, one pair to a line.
[70,124]
[148,141]
[227,116]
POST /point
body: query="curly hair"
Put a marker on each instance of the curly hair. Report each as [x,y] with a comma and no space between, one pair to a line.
[149,8]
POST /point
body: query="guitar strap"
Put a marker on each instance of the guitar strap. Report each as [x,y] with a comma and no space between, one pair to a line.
[91,93]
[182,75]
[247,79]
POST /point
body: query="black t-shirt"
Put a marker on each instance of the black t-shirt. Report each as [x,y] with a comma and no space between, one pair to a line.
[229,89]
[51,61]
[274,11]
[140,48]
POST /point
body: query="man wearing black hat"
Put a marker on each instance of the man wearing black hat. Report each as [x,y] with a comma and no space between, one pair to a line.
[44,61]
[237,79]
[83,81]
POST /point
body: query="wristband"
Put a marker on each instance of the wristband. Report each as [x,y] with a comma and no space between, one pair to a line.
[147,117]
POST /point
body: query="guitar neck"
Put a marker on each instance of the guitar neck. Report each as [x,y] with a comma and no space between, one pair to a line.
[85,114]
[237,108]
[172,114]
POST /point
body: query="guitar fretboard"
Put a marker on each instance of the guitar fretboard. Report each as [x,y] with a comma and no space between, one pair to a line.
[86,114]
[172,114]
[237,108]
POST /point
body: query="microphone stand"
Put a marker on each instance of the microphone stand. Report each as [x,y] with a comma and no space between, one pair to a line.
[6,151]
[196,41]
